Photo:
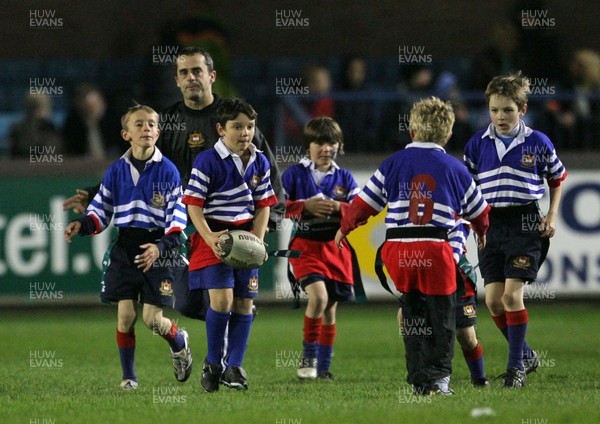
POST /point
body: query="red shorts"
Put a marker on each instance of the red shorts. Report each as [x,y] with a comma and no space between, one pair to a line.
[201,255]
[427,266]
[322,257]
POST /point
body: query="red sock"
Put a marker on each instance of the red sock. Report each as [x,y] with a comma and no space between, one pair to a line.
[473,354]
[500,321]
[327,335]
[126,340]
[312,329]
[172,332]
[517,317]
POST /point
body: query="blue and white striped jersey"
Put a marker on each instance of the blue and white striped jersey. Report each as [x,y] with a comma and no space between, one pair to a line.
[337,184]
[226,191]
[151,200]
[457,237]
[423,186]
[513,175]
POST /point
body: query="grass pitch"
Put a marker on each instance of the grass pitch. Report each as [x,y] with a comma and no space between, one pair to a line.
[62,366]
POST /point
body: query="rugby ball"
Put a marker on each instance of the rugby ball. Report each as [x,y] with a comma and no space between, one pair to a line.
[242,250]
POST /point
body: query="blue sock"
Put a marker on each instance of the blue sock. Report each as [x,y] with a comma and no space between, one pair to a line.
[474,360]
[239,331]
[501,323]
[517,328]
[324,358]
[177,343]
[127,355]
[310,349]
[216,323]
[126,344]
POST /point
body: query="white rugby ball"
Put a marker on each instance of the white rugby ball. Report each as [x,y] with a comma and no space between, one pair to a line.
[242,249]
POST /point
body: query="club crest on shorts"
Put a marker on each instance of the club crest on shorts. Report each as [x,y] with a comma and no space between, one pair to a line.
[469,311]
[165,288]
[340,192]
[253,284]
[158,200]
[254,181]
[522,262]
[528,160]
[196,139]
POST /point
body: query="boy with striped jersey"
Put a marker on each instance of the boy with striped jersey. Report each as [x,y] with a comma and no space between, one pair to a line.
[142,193]
[509,161]
[425,189]
[229,188]
[317,192]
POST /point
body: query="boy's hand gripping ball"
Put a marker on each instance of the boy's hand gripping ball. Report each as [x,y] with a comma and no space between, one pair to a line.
[242,249]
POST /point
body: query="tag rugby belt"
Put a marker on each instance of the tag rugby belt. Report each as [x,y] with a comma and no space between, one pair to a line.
[406,233]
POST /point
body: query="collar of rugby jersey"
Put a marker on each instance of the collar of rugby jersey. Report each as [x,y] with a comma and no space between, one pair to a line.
[425,145]
[316,174]
[501,148]
[135,175]
[224,151]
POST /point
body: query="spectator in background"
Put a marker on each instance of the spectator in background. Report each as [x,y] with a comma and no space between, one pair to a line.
[36,128]
[356,117]
[85,130]
[318,80]
[502,56]
[575,123]
[539,44]
[446,87]
[416,82]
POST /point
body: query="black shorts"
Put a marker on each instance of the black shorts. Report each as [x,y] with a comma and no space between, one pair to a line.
[466,311]
[336,291]
[513,245]
[123,281]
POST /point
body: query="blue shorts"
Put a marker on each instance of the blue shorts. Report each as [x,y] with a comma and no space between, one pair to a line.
[123,280]
[336,291]
[244,282]
[466,311]
[514,248]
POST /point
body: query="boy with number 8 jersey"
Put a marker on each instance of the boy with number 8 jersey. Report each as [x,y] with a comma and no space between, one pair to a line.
[425,189]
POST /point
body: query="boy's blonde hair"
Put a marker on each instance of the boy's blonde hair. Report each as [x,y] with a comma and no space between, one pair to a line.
[514,86]
[431,120]
[132,110]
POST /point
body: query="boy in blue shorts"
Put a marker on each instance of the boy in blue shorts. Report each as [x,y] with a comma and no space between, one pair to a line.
[509,162]
[142,191]
[229,188]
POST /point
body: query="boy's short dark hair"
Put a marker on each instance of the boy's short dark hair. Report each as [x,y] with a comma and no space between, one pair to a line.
[190,51]
[230,108]
[323,130]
